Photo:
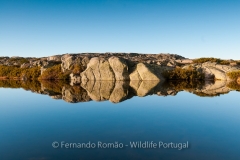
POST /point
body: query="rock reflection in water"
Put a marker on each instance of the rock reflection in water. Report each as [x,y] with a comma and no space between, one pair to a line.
[118,91]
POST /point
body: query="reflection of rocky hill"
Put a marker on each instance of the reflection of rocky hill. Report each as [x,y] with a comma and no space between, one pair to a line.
[117,91]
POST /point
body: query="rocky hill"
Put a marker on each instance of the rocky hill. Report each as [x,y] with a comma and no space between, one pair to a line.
[84,67]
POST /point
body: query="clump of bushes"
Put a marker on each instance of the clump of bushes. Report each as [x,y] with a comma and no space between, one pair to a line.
[13,72]
[183,74]
[19,60]
[31,73]
[216,60]
[234,75]
[224,62]
[54,73]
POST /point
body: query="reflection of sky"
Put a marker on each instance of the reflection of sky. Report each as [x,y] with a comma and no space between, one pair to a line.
[188,27]
[31,122]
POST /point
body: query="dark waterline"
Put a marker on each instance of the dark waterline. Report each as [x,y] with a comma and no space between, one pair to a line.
[30,123]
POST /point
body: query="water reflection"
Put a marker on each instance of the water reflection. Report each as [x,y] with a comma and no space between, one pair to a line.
[118,91]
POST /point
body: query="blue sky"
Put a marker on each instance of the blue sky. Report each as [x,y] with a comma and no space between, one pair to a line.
[191,28]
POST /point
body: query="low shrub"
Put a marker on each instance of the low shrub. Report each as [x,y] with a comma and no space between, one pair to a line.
[183,74]
[13,72]
[213,60]
[54,73]
[31,73]
[224,62]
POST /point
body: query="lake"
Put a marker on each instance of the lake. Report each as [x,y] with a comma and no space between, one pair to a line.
[104,120]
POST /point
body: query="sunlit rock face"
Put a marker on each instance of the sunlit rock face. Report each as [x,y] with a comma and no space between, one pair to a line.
[119,67]
[98,69]
[54,58]
[69,60]
[238,80]
[143,72]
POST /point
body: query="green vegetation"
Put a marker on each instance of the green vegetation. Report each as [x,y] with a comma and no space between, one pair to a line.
[183,74]
[13,72]
[216,60]
[54,73]
[234,75]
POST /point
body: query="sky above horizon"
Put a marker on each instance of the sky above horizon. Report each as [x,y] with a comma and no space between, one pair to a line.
[191,28]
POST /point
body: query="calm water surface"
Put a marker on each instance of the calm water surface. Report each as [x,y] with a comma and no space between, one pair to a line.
[31,122]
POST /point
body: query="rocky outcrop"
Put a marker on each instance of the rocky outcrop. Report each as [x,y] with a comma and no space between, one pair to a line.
[118,64]
[56,58]
[116,68]
[119,67]
[98,69]
[110,69]
[67,62]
